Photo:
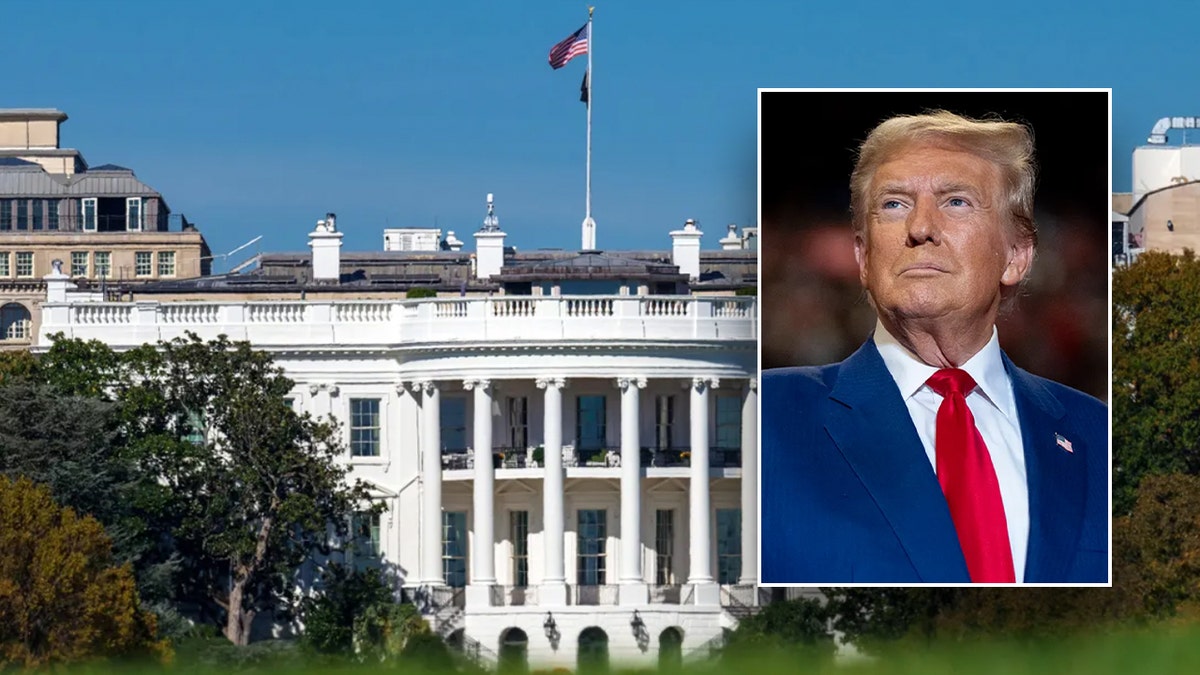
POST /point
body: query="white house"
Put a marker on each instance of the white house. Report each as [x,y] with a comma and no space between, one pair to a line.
[565,441]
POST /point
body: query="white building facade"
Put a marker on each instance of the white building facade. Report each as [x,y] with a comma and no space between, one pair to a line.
[560,473]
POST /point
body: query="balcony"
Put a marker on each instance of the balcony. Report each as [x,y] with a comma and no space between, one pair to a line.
[532,458]
[382,323]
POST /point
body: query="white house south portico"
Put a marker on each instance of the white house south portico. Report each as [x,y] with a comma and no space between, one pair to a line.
[564,446]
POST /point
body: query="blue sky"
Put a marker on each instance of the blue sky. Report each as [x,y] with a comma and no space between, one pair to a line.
[255,117]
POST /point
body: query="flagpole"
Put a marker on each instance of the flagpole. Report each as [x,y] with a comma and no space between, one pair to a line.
[589,225]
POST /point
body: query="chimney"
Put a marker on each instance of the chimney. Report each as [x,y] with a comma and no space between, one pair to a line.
[326,243]
[731,242]
[685,249]
[489,244]
[57,283]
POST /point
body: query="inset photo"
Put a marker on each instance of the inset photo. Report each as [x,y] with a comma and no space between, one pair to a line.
[935,337]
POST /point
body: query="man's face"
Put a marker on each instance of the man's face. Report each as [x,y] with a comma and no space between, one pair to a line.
[937,244]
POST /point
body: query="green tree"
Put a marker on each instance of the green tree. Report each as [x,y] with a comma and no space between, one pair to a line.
[1156,371]
[243,488]
[797,628]
[76,446]
[346,594]
[256,487]
[61,598]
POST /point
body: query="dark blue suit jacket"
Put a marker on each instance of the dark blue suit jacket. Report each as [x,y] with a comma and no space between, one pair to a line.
[849,495]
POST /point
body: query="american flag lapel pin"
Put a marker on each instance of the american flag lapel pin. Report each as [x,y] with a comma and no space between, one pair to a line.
[1063,443]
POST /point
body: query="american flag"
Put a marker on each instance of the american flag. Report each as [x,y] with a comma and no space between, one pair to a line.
[570,48]
[1064,443]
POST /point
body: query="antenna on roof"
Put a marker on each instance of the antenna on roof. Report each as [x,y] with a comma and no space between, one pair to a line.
[243,265]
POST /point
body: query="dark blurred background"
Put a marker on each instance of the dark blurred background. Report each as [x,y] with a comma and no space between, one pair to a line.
[814,310]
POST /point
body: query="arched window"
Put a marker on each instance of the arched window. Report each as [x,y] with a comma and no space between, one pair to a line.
[593,650]
[514,651]
[670,649]
[14,322]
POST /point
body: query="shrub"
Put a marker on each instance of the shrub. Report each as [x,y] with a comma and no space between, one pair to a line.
[420,292]
[61,599]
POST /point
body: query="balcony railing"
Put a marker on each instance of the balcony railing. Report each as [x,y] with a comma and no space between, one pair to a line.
[595,457]
[718,458]
[525,458]
[384,322]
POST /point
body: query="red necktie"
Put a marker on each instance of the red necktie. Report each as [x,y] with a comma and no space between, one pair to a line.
[964,469]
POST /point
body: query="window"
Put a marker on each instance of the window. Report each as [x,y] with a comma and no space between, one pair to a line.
[729,545]
[364,528]
[103,261]
[664,546]
[518,422]
[79,263]
[6,211]
[39,213]
[166,263]
[729,422]
[590,536]
[133,214]
[364,427]
[454,548]
[22,214]
[24,263]
[589,423]
[454,423]
[14,322]
[5,259]
[195,427]
[87,209]
[52,214]
[664,422]
[143,263]
[519,534]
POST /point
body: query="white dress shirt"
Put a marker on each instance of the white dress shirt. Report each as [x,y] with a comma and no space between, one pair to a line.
[995,410]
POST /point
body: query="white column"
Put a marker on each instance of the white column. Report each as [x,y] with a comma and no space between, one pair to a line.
[431,479]
[483,550]
[700,531]
[750,483]
[553,591]
[633,590]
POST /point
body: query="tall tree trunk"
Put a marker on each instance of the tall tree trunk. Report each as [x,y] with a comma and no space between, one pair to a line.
[238,620]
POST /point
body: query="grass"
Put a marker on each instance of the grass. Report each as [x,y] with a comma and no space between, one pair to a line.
[1164,650]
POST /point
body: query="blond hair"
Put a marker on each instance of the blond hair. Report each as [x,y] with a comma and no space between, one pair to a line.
[1006,144]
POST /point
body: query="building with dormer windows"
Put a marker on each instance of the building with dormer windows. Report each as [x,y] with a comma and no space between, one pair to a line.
[112,231]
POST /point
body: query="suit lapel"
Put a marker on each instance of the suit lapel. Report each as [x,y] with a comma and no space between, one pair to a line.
[1057,479]
[867,419]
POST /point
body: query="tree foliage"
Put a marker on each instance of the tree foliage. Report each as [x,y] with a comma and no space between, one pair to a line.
[1156,371]
[799,628]
[61,599]
[241,487]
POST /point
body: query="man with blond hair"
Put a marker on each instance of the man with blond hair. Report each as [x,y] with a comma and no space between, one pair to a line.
[927,456]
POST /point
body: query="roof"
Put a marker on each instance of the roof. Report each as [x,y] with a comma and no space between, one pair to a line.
[22,179]
[9,114]
[589,265]
[451,271]
[17,161]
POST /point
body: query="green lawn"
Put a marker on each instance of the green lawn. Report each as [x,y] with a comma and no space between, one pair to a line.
[1162,651]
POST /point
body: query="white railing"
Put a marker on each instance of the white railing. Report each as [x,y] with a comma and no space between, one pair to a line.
[388,322]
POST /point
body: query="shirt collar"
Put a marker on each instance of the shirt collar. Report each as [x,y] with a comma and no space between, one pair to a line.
[986,367]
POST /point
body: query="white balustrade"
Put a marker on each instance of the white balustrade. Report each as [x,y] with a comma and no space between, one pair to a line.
[387,322]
